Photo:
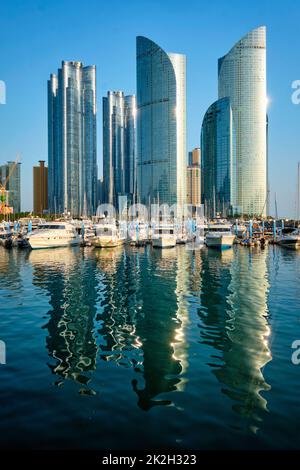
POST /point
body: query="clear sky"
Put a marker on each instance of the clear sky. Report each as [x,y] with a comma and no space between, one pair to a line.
[36,35]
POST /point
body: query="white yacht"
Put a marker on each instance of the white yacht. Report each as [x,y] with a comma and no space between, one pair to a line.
[138,233]
[291,240]
[181,234]
[3,232]
[164,236]
[200,235]
[109,234]
[85,228]
[241,230]
[219,236]
[5,236]
[53,235]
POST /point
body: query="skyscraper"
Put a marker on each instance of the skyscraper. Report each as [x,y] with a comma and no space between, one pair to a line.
[241,130]
[10,176]
[119,147]
[161,124]
[40,188]
[217,145]
[195,157]
[193,185]
[72,151]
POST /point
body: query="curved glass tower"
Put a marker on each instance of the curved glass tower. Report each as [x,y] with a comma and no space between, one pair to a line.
[217,156]
[242,78]
[161,125]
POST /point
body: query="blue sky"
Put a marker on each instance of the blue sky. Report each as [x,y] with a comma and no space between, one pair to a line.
[35,36]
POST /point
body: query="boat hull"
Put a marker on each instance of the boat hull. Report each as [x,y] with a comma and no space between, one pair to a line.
[221,242]
[164,242]
[292,244]
[39,244]
[102,242]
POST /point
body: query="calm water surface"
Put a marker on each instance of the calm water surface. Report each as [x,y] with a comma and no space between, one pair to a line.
[135,348]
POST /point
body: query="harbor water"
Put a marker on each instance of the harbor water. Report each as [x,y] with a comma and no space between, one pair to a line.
[149,349]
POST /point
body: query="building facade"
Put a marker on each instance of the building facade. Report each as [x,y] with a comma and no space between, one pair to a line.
[119,147]
[161,125]
[194,157]
[234,133]
[40,188]
[218,149]
[193,185]
[10,179]
[72,142]
[242,79]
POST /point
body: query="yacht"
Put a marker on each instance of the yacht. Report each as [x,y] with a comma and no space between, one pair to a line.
[241,230]
[200,235]
[291,240]
[164,236]
[6,235]
[109,234]
[138,233]
[181,235]
[85,229]
[3,233]
[219,236]
[53,235]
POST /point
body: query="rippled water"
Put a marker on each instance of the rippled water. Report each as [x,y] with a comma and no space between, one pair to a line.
[135,348]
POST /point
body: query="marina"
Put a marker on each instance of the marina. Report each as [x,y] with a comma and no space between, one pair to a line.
[113,232]
[109,348]
[149,233]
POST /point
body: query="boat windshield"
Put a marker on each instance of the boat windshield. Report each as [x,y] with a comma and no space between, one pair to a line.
[164,231]
[51,227]
[219,229]
[106,231]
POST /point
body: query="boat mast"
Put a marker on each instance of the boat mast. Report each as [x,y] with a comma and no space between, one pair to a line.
[276,208]
[298,194]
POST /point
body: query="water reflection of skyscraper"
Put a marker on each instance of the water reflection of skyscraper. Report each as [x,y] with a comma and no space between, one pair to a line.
[235,322]
[161,328]
[119,306]
[214,307]
[69,277]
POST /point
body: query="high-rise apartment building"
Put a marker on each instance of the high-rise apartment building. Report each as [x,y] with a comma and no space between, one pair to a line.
[193,184]
[10,177]
[119,147]
[40,188]
[161,125]
[217,145]
[234,146]
[72,148]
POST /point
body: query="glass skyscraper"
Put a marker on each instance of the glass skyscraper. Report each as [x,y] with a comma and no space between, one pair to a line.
[217,145]
[10,176]
[241,81]
[119,147]
[161,125]
[72,150]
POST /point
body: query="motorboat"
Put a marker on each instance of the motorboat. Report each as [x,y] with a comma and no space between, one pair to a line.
[182,234]
[240,230]
[6,235]
[3,234]
[109,234]
[53,235]
[219,235]
[164,235]
[85,228]
[291,240]
[138,233]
